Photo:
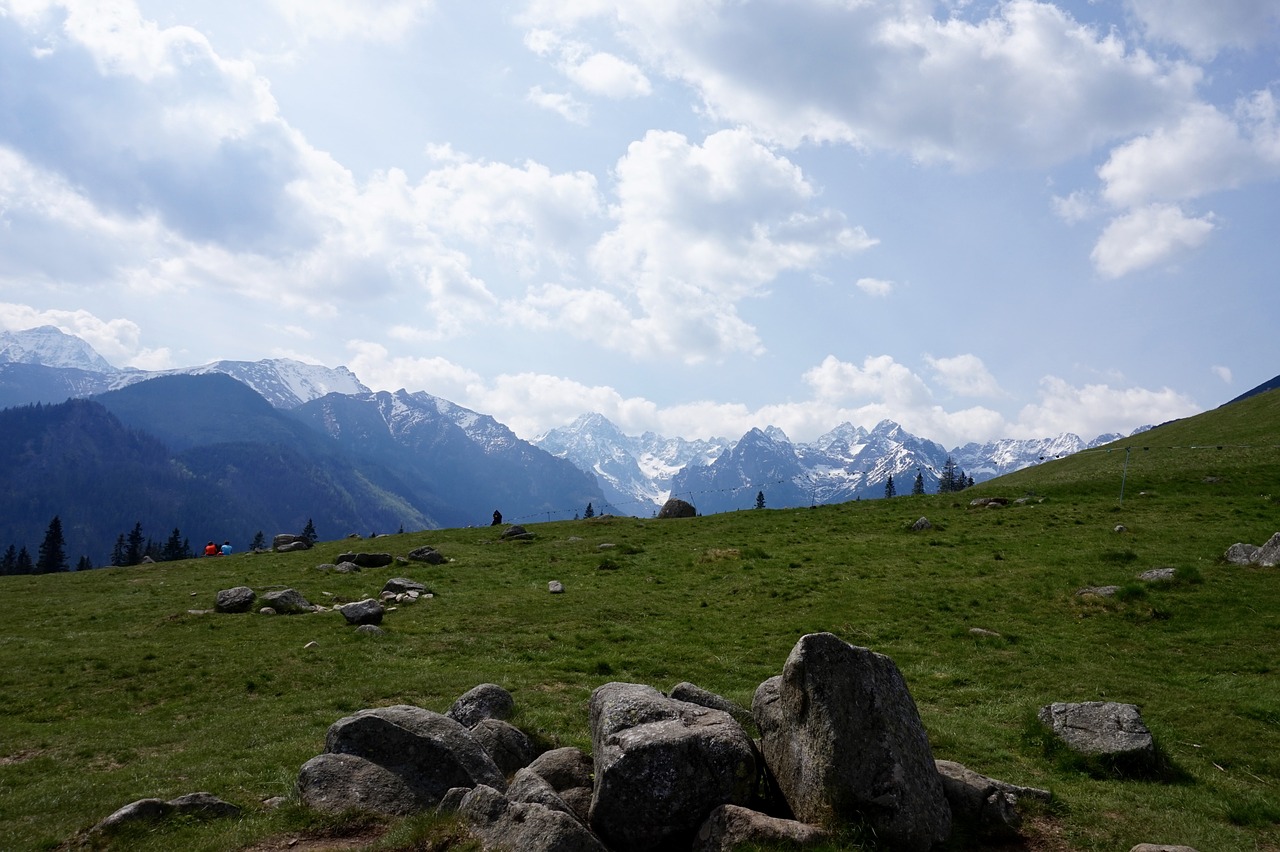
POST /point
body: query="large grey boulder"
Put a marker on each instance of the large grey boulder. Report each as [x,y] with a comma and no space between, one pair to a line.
[367,611]
[502,824]
[844,741]
[239,599]
[661,766]
[1241,553]
[428,750]
[730,827]
[287,602]
[333,783]
[564,768]
[1108,730]
[427,554]
[486,701]
[677,508]
[510,747]
[1269,554]
[403,585]
[528,786]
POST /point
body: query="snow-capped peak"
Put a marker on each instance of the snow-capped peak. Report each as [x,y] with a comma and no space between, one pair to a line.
[51,347]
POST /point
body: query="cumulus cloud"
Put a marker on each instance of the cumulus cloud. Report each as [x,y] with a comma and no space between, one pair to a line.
[893,76]
[1223,373]
[1093,410]
[964,375]
[598,72]
[879,378]
[699,227]
[374,20]
[1147,236]
[1206,28]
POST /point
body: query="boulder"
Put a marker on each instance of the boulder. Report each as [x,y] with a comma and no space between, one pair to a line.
[403,585]
[730,827]
[287,602]
[677,508]
[1268,555]
[426,554]
[429,751]
[529,786]
[191,805]
[564,768]
[922,524]
[555,587]
[239,599]
[510,748]
[367,560]
[486,701]
[333,783]
[661,766]
[1241,553]
[286,542]
[1158,575]
[1102,729]
[695,694]
[370,629]
[517,533]
[525,826]
[367,611]
[1098,591]
[989,807]
[843,738]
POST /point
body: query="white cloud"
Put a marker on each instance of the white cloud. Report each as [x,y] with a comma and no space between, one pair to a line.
[374,20]
[1206,28]
[116,339]
[875,286]
[880,378]
[607,75]
[561,103]
[1027,84]
[1223,373]
[1075,207]
[964,375]
[1093,410]
[1204,152]
[1148,236]
[700,227]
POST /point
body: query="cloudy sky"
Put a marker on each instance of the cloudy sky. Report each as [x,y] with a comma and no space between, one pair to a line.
[979,219]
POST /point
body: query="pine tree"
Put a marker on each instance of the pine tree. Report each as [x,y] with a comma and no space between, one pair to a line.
[117,552]
[759,499]
[175,547]
[23,563]
[9,562]
[84,564]
[947,481]
[259,541]
[135,546]
[589,512]
[53,550]
[890,490]
[309,532]
[918,486]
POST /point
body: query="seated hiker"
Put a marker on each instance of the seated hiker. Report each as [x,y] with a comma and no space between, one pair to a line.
[226,548]
[211,549]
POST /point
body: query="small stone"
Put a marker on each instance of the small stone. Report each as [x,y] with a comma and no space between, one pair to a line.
[555,587]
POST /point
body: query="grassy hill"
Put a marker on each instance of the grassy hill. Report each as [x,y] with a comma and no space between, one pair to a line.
[113,690]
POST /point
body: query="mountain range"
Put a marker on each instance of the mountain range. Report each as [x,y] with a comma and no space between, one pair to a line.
[236,447]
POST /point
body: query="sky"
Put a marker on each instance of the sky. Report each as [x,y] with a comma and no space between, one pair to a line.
[978,219]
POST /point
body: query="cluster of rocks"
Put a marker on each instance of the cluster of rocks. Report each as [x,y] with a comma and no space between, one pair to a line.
[1266,556]
[1151,575]
[369,611]
[840,742]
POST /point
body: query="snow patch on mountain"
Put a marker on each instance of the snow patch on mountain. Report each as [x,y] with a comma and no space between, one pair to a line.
[51,347]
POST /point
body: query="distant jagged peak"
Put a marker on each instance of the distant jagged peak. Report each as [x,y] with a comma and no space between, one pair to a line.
[284,382]
[50,346]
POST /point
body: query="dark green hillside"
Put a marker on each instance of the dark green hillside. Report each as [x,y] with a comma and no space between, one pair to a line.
[113,690]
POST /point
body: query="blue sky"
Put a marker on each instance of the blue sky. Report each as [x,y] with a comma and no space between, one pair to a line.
[980,220]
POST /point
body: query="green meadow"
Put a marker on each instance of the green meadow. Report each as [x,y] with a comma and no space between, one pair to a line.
[117,686]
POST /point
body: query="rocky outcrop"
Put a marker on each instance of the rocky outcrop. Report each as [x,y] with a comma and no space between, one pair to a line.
[661,766]
[367,560]
[192,805]
[730,827]
[844,740]
[1266,556]
[486,701]
[503,824]
[239,599]
[987,806]
[427,554]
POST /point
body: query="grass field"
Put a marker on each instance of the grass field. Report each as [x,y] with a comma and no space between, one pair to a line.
[113,690]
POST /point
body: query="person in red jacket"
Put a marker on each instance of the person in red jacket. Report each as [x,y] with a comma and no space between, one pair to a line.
[211,549]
